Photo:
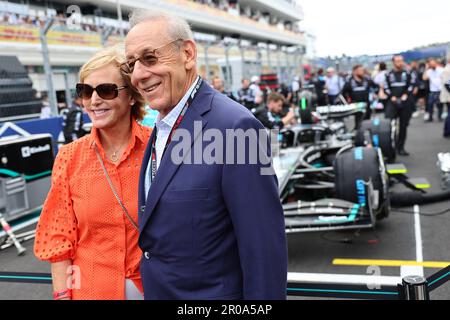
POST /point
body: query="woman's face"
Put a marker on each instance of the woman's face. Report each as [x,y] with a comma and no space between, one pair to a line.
[106,114]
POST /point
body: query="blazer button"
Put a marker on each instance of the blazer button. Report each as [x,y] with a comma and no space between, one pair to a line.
[147,255]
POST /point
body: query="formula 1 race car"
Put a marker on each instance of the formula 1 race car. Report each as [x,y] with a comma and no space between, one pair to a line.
[332,186]
[331,178]
[322,122]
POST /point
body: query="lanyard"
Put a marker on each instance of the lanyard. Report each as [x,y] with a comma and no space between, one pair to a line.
[175,126]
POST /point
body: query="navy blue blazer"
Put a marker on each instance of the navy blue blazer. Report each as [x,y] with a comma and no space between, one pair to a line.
[212,231]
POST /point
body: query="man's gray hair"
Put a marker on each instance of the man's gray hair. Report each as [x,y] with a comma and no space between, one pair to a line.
[178,28]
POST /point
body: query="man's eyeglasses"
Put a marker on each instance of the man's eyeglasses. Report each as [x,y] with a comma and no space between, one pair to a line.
[107,91]
[148,58]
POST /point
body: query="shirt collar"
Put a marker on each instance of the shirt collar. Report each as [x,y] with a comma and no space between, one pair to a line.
[171,117]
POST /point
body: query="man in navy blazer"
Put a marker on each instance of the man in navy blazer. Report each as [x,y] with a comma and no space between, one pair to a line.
[208,230]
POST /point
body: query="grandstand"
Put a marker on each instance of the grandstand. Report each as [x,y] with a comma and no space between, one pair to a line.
[226,31]
[439,51]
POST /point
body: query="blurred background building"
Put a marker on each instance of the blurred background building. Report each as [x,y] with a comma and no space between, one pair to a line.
[236,38]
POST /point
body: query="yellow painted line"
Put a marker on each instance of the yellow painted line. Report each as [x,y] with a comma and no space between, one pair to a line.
[422,186]
[397,171]
[390,263]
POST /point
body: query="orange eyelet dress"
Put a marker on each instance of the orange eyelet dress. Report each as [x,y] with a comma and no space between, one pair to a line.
[82,221]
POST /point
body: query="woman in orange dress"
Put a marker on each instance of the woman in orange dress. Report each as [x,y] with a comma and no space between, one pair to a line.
[88,225]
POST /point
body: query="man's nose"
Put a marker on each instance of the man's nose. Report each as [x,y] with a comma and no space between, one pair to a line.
[140,72]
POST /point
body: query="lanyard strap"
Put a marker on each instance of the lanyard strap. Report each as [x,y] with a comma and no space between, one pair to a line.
[177,123]
[125,211]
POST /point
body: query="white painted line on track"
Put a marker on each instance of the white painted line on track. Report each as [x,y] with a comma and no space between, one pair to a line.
[415,270]
[343,278]
[418,232]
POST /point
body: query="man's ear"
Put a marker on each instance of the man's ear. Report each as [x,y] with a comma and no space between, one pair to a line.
[189,50]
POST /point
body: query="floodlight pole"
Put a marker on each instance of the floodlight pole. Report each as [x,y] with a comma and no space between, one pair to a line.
[47,67]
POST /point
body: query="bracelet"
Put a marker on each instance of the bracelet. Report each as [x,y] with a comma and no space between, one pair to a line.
[58,295]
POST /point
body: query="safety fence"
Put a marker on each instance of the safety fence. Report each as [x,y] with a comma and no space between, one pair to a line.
[411,288]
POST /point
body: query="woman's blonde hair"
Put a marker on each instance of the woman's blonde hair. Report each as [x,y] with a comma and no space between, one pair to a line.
[115,56]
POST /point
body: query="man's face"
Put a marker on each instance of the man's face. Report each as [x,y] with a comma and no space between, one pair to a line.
[217,84]
[359,72]
[164,83]
[398,62]
[275,106]
[245,83]
[432,64]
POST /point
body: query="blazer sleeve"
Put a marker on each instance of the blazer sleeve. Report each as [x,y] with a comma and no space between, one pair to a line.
[56,233]
[252,199]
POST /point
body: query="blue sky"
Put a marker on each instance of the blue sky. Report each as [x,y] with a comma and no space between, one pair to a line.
[358,27]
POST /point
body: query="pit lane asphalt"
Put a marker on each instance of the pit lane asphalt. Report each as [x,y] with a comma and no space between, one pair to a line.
[308,252]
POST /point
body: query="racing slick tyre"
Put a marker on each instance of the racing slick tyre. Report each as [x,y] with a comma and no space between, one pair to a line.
[355,167]
[305,106]
[306,116]
[382,136]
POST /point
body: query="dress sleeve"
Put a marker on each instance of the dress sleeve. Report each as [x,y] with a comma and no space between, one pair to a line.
[56,233]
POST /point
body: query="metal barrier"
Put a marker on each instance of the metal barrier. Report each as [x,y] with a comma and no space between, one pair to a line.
[411,288]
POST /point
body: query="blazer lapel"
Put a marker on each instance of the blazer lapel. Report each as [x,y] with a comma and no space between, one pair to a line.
[167,168]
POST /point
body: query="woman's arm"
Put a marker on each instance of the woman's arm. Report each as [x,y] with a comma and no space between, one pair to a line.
[56,232]
[60,276]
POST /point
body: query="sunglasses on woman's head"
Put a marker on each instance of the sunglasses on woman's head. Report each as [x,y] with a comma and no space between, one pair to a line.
[107,91]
